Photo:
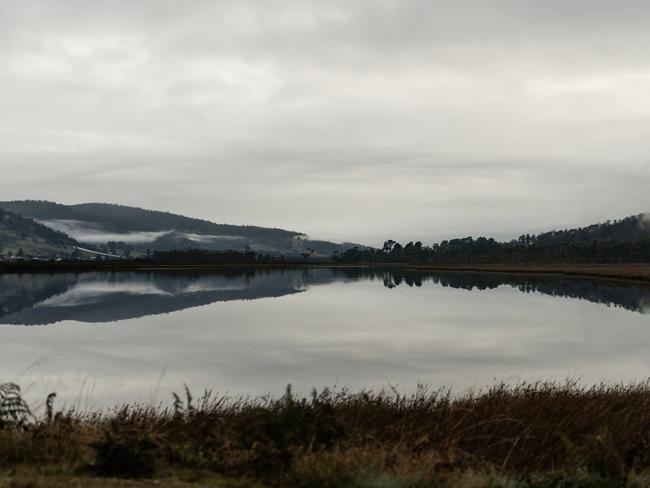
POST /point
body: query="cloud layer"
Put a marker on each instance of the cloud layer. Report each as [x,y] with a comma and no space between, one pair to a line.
[348,120]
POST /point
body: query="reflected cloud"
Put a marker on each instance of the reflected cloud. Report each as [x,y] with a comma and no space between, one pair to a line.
[95,292]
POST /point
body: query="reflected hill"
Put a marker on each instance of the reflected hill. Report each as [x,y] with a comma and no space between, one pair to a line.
[40,299]
[107,297]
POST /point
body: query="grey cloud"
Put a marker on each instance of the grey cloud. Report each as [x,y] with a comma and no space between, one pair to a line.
[345,120]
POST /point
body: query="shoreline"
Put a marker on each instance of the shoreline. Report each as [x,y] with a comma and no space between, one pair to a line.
[630,272]
[634,272]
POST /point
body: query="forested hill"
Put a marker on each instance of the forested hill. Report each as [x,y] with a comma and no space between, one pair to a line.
[630,229]
[625,240]
[119,218]
[102,224]
[22,236]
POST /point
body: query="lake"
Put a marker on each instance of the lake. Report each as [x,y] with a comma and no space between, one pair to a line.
[99,339]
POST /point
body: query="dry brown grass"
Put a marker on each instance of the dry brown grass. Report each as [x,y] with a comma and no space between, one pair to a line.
[37,480]
[339,438]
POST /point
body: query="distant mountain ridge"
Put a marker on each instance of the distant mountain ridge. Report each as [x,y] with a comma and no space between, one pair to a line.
[42,228]
[122,217]
[99,224]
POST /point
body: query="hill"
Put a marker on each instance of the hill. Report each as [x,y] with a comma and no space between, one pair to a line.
[20,235]
[621,241]
[629,229]
[120,227]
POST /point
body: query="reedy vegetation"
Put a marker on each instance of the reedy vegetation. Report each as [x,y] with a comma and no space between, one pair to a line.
[539,434]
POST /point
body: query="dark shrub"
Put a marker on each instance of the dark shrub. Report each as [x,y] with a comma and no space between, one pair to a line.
[125,453]
[272,433]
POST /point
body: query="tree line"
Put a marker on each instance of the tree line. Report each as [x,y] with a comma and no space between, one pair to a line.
[489,251]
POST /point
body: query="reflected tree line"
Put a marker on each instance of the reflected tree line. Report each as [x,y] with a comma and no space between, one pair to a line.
[32,299]
[631,296]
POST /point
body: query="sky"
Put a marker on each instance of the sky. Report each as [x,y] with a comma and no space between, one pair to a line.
[356,121]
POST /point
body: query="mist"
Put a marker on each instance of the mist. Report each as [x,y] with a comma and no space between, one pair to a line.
[93,233]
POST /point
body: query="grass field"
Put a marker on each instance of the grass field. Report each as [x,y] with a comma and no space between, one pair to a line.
[529,435]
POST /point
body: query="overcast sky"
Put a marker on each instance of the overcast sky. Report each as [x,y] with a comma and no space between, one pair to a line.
[356,120]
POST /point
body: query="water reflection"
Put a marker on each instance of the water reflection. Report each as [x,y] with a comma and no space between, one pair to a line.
[39,299]
[629,295]
[350,327]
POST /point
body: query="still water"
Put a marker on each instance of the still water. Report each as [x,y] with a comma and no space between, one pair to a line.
[99,339]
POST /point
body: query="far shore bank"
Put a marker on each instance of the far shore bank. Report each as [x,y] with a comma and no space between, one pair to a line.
[638,272]
[611,271]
